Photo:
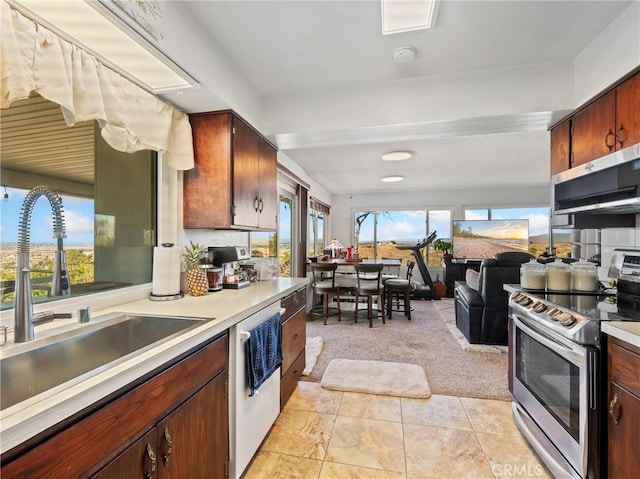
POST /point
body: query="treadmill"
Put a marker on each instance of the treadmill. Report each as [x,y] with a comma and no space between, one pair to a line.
[419,257]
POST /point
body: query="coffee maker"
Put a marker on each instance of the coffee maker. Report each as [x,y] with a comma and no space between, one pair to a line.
[230,260]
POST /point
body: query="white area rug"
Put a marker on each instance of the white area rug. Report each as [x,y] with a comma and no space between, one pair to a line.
[376,377]
[446,310]
[312,349]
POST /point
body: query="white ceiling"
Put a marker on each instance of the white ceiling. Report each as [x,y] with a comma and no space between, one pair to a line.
[285,47]
[319,79]
[294,50]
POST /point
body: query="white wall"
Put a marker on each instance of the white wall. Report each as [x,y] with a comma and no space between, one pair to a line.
[615,52]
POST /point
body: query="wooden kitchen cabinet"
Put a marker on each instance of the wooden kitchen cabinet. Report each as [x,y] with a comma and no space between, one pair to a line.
[185,404]
[294,339]
[623,414]
[234,182]
[610,123]
[560,147]
[188,443]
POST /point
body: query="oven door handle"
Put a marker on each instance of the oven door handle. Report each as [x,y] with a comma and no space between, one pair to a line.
[574,354]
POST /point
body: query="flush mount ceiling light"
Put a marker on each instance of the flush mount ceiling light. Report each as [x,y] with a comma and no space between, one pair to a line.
[404,55]
[392,179]
[397,156]
[400,16]
[95,28]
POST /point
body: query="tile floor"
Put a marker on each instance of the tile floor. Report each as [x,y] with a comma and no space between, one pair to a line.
[324,434]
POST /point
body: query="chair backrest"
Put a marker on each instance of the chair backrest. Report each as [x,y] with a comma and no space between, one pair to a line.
[410,266]
[323,272]
[498,271]
[368,276]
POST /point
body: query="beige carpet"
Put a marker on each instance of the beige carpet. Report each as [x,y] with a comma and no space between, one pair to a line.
[426,340]
[376,377]
[312,350]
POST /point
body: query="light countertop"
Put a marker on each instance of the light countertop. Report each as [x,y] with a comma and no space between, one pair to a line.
[219,311]
[624,330]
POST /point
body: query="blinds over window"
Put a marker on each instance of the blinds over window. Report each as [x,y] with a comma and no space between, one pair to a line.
[32,58]
[317,205]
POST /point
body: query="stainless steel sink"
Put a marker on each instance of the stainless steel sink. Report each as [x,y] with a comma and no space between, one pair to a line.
[32,372]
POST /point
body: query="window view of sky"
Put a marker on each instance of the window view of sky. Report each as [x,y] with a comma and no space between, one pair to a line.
[78,215]
[407,226]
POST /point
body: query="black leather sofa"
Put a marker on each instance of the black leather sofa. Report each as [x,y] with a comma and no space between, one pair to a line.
[481,314]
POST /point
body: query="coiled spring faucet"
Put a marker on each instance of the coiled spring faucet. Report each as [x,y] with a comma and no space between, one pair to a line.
[23,307]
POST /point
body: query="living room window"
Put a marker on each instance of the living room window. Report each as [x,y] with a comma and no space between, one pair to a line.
[378,233]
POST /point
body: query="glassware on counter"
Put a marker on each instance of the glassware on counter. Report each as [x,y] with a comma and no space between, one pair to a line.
[533,275]
[558,276]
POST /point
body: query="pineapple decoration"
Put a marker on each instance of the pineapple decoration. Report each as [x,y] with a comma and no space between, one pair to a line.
[196,277]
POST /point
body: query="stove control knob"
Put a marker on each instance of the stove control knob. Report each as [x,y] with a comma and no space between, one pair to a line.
[539,307]
[552,313]
[525,301]
[566,319]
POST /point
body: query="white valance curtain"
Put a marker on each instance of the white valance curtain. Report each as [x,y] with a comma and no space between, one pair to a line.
[131,119]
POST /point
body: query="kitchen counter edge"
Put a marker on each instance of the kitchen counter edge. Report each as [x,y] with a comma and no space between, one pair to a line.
[221,310]
[624,330]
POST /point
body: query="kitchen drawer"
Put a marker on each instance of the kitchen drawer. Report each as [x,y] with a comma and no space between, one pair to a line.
[294,338]
[290,379]
[624,366]
[293,303]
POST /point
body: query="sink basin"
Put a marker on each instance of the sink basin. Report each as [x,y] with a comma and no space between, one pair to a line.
[30,373]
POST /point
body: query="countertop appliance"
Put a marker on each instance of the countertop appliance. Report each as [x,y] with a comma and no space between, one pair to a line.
[557,371]
[610,184]
[230,259]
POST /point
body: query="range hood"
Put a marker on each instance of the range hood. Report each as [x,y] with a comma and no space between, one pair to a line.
[608,185]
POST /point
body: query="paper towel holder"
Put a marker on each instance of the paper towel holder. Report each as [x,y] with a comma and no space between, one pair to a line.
[165,297]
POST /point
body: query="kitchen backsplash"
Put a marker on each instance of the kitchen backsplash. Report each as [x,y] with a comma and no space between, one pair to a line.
[612,238]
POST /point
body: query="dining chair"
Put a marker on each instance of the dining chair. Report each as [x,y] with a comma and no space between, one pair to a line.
[397,290]
[324,285]
[369,284]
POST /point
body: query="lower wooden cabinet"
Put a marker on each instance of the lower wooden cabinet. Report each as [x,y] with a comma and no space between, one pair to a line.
[294,340]
[623,414]
[187,443]
[173,425]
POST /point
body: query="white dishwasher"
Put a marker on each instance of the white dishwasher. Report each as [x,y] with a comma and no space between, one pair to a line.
[251,417]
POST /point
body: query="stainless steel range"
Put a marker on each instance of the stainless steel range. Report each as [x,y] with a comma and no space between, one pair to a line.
[556,374]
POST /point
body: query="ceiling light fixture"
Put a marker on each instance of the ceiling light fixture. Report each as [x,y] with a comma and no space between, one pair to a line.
[407,16]
[95,28]
[404,55]
[392,179]
[397,156]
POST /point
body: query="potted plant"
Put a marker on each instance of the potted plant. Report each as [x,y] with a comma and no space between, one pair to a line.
[446,247]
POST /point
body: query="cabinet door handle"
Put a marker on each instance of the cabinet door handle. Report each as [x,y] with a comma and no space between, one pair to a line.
[611,144]
[256,204]
[149,462]
[260,205]
[621,135]
[167,443]
[615,408]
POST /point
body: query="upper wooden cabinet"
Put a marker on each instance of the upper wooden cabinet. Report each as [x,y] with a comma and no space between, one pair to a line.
[608,124]
[560,147]
[234,182]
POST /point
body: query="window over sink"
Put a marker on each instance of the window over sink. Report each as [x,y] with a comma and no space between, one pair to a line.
[109,201]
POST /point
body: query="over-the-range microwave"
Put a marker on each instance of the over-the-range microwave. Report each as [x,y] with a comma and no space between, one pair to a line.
[610,184]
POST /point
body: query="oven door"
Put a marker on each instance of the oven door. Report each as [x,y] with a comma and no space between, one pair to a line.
[551,384]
